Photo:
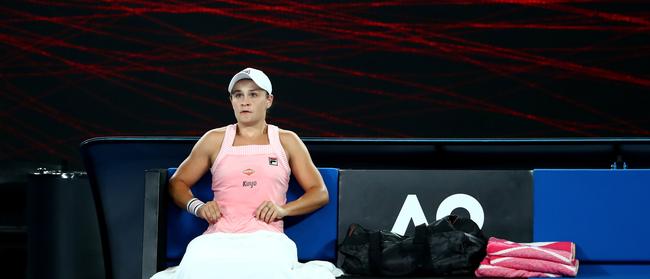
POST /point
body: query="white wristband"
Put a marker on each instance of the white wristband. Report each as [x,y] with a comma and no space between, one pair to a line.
[193,206]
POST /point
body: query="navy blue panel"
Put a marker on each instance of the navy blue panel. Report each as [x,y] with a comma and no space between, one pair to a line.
[628,271]
[117,170]
[314,234]
[605,212]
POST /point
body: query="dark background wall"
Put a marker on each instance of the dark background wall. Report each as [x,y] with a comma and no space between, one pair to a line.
[72,70]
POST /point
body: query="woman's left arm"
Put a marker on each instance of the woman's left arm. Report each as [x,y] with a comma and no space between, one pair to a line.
[306,174]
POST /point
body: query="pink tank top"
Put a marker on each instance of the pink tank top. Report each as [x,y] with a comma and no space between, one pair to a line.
[245,176]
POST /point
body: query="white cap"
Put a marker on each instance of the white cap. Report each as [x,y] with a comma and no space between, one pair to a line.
[256,75]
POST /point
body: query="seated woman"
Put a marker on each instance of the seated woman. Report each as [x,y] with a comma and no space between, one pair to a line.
[250,162]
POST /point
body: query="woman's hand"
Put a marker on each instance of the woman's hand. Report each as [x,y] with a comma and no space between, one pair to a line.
[269,212]
[210,212]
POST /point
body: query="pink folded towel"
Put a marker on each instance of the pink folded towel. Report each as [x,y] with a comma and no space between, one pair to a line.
[561,252]
[488,270]
[535,265]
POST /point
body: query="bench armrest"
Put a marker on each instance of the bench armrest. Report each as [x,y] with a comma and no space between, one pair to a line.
[153,235]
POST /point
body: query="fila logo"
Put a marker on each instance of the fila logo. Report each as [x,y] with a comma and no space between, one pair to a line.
[273,161]
[248,171]
[412,210]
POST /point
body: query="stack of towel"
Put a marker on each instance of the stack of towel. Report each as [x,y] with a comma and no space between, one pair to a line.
[540,259]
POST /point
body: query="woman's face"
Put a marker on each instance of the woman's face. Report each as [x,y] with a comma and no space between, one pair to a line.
[249,101]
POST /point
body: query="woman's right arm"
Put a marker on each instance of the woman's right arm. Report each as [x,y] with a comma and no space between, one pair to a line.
[192,169]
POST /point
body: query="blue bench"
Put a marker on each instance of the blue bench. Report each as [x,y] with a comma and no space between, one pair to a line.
[605,212]
[115,167]
[588,207]
[168,229]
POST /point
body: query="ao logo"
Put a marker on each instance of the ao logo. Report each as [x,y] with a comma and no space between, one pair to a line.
[411,209]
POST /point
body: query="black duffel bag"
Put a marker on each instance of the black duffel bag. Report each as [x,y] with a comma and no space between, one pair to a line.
[449,246]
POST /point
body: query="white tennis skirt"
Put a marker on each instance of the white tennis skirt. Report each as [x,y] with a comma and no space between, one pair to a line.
[261,254]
